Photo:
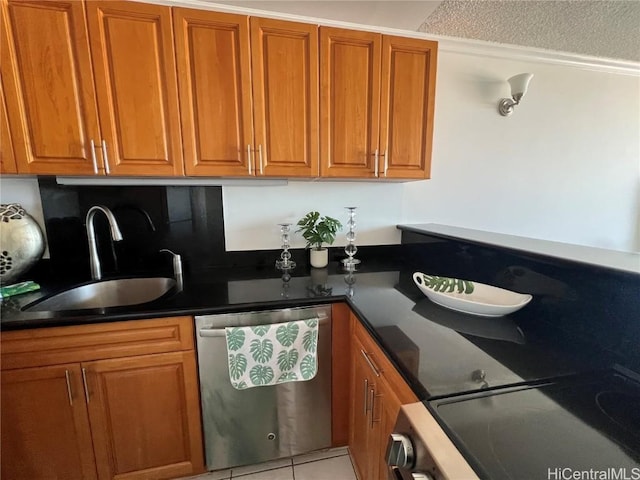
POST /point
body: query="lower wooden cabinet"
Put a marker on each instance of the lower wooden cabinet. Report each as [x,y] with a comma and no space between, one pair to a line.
[377,392]
[364,438]
[128,417]
[45,425]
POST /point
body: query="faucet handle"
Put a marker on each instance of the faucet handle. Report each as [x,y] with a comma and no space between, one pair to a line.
[177,263]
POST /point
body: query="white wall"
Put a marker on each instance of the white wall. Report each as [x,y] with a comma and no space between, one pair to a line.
[251,214]
[565,166]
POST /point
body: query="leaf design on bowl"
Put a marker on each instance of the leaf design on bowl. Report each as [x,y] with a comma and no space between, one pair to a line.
[446,284]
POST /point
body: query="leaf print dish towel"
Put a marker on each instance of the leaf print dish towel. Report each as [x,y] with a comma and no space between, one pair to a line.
[271,354]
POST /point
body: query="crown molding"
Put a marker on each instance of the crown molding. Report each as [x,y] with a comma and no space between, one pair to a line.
[538,55]
[445,44]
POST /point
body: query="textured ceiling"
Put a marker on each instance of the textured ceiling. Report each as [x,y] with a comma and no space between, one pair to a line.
[599,28]
[602,28]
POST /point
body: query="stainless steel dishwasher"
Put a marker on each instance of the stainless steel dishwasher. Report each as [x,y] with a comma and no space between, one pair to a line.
[258,424]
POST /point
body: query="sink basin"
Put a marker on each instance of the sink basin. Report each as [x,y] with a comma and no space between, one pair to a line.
[106,293]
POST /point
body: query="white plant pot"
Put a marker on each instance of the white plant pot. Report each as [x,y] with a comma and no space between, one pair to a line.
[319,258]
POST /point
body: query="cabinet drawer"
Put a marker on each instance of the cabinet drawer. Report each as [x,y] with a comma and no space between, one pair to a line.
[51,346]
[382,363]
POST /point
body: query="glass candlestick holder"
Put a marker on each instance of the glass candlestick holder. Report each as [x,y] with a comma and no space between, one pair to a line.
[350,280]
[350,248]
[285,262]
[286,277]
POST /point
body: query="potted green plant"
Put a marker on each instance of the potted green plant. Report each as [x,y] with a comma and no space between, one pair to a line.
[318,230]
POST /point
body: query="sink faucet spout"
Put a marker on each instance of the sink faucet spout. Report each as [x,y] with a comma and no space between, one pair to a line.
[116,235]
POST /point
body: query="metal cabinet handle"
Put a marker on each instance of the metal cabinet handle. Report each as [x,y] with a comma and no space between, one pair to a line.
[93,157]
[260,156]
[249,159]
[365,397]
[386,160]
[84,382]
[375,166]
[67,376]
[105,158]
[373,420]
[372,397]
[375,369]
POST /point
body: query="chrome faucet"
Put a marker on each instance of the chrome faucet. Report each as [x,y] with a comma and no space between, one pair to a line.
[177,267]
[116,235]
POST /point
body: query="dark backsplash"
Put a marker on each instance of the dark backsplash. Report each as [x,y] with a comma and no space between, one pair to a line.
[585,308]
[187,220]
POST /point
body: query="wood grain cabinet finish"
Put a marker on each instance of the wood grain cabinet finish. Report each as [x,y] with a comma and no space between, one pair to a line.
[350,102]
[284,58]
[364,438]
[143,411]
[407,106]
[377,393]
[100,88]
[248,91]
[99,402]
[214,73]
[45,426]
[136,85]
[96,88]
[7,150]
[48,79]
[376,107]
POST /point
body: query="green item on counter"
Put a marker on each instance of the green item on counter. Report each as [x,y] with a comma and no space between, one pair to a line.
[18,288]
[448,285]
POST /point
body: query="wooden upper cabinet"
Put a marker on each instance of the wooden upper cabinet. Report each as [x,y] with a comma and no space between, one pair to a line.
[48,82]
[45,426]
[408,97]
[284,59]
[7,152]
[100,88]
[136,86]
[350,102]
[212,52]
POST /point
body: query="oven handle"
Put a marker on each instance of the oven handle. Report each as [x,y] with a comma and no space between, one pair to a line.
[219,332]
[397,474]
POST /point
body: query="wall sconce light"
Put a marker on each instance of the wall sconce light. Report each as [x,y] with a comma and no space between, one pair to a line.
[519,84]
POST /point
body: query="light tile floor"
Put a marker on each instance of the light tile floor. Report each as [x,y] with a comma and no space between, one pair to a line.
[332,464]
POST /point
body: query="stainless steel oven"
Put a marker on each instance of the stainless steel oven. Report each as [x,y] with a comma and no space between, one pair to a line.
[418,449]
[548,429]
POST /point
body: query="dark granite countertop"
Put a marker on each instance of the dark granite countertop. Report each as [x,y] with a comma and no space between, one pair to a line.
[438,351]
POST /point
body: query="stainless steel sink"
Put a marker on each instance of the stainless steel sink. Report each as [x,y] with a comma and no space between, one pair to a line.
[106,293]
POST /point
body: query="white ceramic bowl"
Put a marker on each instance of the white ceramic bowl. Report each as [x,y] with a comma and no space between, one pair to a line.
[485,300]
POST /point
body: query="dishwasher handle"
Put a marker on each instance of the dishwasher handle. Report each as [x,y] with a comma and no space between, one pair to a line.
[211,332]
[219,332]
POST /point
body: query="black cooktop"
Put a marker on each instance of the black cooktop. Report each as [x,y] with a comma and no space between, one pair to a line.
[548,431]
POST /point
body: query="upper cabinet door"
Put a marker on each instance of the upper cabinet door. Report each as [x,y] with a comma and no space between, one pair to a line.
[212,51]
[7,153]
[134,64]
[350,102]
[408,97]
[285,94]
[48,82]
